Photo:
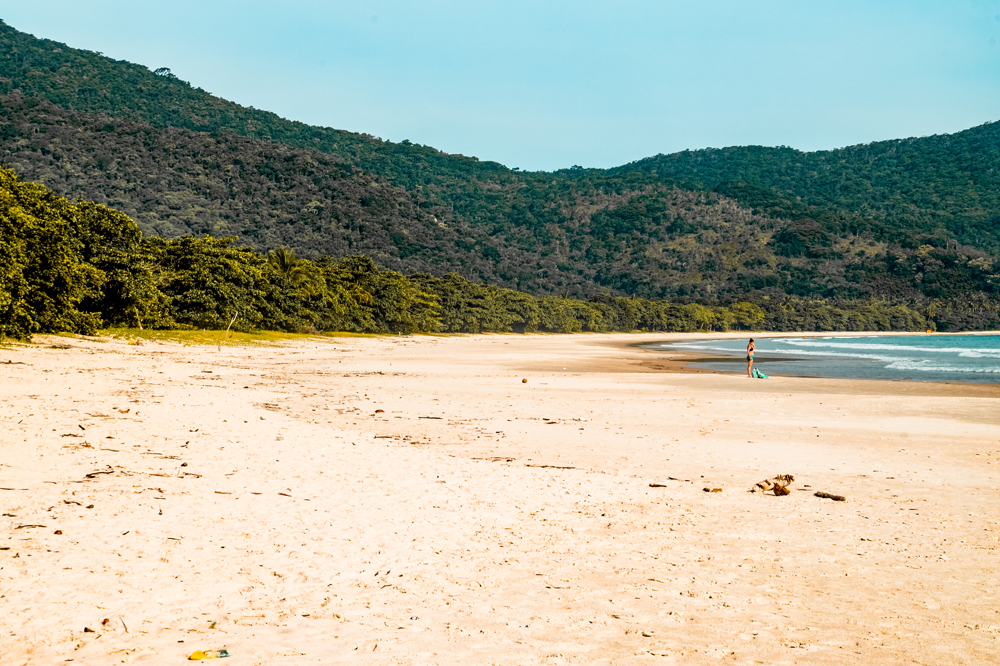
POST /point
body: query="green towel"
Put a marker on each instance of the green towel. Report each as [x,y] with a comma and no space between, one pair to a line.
[758,374]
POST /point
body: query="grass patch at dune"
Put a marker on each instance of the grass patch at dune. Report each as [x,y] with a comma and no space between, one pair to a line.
[207,337]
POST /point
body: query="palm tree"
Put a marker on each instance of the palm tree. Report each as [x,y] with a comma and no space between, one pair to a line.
[284,261]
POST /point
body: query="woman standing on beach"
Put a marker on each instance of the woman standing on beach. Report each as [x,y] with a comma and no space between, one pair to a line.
[750,349]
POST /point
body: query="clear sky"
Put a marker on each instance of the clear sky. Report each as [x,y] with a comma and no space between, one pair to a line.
[547,84]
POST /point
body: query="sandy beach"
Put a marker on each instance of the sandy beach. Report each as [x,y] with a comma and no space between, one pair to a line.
[411,501]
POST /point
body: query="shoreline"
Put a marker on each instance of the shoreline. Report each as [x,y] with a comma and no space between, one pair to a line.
[680,362]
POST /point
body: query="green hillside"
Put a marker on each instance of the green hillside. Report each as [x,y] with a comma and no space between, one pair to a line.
[629,234]
[910,221]
[945,186]
[87,81]
[76,266]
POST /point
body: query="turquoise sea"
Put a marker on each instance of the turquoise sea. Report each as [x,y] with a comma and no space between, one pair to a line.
[929,358]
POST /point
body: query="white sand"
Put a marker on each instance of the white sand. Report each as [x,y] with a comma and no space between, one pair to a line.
[260,490]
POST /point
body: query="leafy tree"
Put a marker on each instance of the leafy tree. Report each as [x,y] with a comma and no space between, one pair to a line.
[112,243]
[378,301]
[747,315]
[42,273]
[211,283]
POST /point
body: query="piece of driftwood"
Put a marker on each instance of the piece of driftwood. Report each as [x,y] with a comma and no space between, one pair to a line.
[835,498]
[657,485]
[778,485]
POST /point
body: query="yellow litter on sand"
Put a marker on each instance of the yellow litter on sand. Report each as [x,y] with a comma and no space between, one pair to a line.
[211,654]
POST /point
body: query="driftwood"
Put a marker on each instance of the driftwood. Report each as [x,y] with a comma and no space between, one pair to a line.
[835,498]
[778,485]
[231,322]
[669,478]
[94,475]
[226,335]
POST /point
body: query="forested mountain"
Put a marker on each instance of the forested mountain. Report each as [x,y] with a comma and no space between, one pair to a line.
[75,267]
[910,221]
[628,233]
[947,186]
[87,81]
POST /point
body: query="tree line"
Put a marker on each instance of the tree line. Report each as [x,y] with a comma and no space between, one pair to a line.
[79,266]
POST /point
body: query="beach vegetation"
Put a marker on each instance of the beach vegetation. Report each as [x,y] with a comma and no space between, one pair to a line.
[77,267]
[205,337]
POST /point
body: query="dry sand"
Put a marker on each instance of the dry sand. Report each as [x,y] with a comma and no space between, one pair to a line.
[411,501]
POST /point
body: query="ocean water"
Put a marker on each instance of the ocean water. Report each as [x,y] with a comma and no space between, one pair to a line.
[928,358]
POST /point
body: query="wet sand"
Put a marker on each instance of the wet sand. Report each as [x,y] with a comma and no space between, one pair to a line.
[412,501]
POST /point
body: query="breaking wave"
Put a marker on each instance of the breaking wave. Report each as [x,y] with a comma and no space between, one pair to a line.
[939,357]
[961,351]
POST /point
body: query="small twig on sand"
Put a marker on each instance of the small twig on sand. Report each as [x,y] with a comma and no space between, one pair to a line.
[835,498]
[93,475]
[550,466]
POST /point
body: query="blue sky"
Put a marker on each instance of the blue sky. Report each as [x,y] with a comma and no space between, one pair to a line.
[546,85]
